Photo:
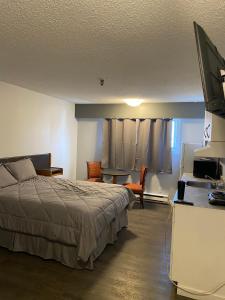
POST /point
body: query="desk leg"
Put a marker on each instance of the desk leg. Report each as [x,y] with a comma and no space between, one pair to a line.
[114,181]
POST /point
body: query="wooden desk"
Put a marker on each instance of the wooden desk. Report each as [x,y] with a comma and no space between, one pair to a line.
[52,171]
[115,173]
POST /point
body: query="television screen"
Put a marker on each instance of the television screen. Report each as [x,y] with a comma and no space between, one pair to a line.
[211,63]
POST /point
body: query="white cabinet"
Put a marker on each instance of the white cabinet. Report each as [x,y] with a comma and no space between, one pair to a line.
[198,250]
[214,137]
[214,128]
[207,127]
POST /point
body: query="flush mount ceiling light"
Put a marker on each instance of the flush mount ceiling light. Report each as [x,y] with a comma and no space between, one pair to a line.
[133,102]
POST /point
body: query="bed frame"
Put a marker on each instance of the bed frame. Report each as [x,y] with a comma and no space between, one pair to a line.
[40,161]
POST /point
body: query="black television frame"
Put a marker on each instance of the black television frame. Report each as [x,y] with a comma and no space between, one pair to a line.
[210,64]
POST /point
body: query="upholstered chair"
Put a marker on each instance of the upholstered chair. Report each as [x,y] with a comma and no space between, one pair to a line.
[94,173]
[138,188]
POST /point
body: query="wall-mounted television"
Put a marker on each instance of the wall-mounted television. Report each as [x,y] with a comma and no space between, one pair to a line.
[210,63]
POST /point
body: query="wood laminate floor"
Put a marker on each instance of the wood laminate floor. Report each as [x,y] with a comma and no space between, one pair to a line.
[135,268]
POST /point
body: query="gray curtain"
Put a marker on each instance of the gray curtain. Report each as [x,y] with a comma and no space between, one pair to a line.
[119,143]
[130,143]
[154,145]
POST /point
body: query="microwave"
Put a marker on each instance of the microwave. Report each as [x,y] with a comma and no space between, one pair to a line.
[207,167]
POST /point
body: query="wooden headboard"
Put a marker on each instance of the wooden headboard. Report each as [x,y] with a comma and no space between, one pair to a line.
[40,161]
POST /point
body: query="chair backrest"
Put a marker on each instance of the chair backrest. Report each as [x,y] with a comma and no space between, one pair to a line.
[143,173]
[94,169]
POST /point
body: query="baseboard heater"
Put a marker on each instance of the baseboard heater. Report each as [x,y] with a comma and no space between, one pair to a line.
[156,197]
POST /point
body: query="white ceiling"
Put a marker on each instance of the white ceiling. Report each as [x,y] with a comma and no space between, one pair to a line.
[142,48]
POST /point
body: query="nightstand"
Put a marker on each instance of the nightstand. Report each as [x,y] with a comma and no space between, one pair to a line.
[52,171]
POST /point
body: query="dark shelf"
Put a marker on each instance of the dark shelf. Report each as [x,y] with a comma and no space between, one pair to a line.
[52,171]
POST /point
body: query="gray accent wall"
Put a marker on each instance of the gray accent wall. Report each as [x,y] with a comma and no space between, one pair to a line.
[179,110]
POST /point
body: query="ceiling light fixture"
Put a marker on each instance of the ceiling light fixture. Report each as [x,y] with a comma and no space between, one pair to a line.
[133,102]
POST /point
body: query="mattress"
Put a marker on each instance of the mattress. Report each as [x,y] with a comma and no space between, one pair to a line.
[56,212]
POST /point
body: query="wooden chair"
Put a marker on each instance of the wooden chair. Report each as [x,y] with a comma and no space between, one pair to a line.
[94,173]
[138,188]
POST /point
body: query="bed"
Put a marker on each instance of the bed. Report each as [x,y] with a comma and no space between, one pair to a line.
[55,219]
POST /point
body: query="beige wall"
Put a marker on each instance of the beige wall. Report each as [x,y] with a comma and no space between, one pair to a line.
[89,144]
[32,123]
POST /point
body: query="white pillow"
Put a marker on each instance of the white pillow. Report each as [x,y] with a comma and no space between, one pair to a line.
[22,169]
[6,178]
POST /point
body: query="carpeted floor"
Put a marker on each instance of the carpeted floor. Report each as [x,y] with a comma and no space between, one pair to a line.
[135,268]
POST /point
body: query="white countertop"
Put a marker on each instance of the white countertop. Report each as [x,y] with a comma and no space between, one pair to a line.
[199,196]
